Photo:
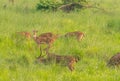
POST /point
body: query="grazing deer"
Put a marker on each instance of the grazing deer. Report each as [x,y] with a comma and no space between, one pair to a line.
[114,60]
[25,34]
[79,35]
[44,38]
[68,61]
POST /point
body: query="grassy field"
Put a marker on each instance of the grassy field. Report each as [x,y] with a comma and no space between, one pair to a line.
[101,41]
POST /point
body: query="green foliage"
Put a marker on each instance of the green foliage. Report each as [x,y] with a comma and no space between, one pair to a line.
[48,5]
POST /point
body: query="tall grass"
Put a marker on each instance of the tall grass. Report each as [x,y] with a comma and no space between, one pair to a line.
[101,41]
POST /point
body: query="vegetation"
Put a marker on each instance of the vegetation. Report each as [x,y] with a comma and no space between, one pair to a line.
[48,5]
[101,41]
[54,4]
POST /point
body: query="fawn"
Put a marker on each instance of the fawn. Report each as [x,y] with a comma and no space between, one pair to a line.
[114,60]
[68,61]
[44,38]
[79,35]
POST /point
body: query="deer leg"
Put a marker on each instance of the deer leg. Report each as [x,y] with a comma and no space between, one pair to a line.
[70,66]
[117,66]
[47,49]
[40,50]
[78,38]
[49,45]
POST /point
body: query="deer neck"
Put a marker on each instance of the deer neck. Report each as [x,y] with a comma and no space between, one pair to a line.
[34,36]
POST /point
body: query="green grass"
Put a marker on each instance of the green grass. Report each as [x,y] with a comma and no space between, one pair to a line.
[101,41]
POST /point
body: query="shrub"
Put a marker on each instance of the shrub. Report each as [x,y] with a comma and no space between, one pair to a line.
[48,5]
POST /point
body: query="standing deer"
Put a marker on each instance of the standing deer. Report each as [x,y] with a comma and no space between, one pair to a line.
[44,38]
[68,61]
[79,35]
[114,60]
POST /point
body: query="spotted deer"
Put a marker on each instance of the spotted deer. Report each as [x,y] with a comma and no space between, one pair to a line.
[44,38]
[114,60]
[79,35]
[68,61]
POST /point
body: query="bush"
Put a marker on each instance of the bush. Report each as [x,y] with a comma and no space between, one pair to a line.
[48,5]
